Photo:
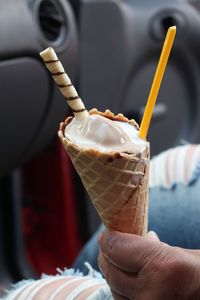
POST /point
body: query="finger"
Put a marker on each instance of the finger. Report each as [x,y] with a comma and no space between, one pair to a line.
[128,252]
[119,281]
[118,297]
[193,251]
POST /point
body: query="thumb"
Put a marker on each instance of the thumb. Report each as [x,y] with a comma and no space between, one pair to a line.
[153,236]
[128,251]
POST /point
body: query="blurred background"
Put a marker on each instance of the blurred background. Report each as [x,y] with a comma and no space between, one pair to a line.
[110,49]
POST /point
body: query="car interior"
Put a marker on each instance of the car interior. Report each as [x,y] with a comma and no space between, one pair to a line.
[110,49]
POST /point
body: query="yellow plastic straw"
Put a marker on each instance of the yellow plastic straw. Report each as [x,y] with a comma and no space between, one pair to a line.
[157,82]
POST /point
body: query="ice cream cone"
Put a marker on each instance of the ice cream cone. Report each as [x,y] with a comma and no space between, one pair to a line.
[117,183]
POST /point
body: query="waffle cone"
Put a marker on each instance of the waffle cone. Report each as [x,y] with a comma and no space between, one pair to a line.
[117,183]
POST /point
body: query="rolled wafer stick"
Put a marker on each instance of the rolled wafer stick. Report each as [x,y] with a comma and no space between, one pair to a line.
[64,83]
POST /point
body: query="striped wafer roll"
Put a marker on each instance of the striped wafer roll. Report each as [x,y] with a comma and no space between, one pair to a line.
[64,83]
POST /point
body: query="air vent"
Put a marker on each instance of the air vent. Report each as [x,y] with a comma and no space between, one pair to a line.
[168,21]
[51,19]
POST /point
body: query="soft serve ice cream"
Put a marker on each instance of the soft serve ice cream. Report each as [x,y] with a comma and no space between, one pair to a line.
[113,164]
[105,135]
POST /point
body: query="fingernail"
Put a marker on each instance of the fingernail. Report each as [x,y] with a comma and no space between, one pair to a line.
[153,236]
[100,262]
[100,237]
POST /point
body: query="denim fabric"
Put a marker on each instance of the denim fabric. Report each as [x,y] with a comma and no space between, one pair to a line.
[89,253]
[174,214]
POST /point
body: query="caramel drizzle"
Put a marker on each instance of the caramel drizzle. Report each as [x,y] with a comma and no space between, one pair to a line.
[64,85]
[72,98]
[51,61]
[79,110]
[57,73]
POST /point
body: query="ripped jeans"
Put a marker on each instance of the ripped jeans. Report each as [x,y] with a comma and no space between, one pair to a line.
[174,214]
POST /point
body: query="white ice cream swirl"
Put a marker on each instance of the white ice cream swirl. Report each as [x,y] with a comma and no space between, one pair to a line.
[105,135]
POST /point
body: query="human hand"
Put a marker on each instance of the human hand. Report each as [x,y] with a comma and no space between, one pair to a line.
[143,268]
